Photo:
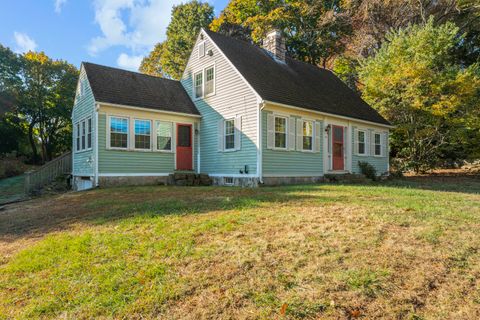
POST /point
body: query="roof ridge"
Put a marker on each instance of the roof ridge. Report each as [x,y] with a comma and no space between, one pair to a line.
[129,71]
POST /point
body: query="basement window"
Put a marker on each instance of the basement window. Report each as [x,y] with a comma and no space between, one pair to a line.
[228,181]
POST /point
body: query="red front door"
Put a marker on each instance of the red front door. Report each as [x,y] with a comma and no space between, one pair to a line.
[337,144]
[184,147]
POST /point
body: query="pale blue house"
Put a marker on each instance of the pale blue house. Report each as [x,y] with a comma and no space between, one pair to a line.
[245,115]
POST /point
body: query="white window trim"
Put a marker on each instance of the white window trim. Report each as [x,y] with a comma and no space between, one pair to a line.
[275,116]
[205,80]
[194,86]
[225,136]
[198,49]
[129,125]
[365,153]
[155,144]
[381,155]
[134,134]
[78,130]
[312,122]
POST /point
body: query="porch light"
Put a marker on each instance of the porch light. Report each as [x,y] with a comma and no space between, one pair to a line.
[327,128]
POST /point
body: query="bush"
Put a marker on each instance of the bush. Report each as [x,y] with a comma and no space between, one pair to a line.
[11,166]
[367,170]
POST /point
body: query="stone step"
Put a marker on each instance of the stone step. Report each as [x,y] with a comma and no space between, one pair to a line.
[346,177]
[186,178]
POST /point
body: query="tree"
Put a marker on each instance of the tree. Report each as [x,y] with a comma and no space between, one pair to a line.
[169,58]
[414,82]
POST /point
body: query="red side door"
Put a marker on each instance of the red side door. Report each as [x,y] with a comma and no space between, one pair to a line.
[337,144]
[184,147]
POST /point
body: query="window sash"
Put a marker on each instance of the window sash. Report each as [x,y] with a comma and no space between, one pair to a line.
[378,144]
[198,84]
[164,135]
[361,142]
[209,80]
[83,135]
[280,132]
[229,134]
[89,133]
[307,131]
[119,132]
[142,134]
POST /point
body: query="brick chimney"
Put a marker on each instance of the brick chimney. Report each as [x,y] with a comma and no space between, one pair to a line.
[274,43]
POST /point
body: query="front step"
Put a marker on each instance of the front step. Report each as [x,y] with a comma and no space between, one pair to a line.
[188,178]
[346,177]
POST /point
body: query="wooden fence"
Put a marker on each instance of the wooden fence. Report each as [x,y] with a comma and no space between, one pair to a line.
[48,172]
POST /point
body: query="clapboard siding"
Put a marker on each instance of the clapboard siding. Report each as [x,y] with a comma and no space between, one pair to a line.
[379,163]
[290,163]
[133,162]
[83,161]
[232,98]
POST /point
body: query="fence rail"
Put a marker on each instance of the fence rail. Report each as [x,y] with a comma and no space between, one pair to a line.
[48,172]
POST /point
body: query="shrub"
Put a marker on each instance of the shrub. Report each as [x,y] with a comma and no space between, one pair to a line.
[367,170]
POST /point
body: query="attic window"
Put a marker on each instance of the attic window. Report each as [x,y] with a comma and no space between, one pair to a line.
[201,49]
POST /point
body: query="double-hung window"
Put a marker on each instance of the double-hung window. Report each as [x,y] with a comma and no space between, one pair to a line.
[83,135]
[164,136]
[118,132]
[307,135]
[142,134]
[198,83]
[281,132]
[201,49]
[229,134]
[78,137]
[378,144]
[209,80]
[89,133]
[361,142]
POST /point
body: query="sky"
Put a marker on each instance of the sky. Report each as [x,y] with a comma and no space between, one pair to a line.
[117,33]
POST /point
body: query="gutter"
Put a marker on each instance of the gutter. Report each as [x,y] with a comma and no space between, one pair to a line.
[329,114]
[96,144]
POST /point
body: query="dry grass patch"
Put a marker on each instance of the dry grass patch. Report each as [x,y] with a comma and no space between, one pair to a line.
[310,252]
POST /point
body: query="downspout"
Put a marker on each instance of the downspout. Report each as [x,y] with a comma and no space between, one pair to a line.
[96,145]
[261,105]
[198,147]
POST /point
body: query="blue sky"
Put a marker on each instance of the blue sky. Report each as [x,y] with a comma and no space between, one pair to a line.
[116,33]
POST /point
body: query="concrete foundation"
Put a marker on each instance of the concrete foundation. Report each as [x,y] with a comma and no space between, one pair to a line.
[237,182]
[276,181]
[132,181]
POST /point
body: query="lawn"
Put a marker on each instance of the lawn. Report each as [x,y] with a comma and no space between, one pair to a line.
[405,249]
[11,189]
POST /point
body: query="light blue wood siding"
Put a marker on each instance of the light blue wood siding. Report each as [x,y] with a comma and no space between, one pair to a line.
[133,162]
[379,163]
[290,163]
[83,161]
[232,98]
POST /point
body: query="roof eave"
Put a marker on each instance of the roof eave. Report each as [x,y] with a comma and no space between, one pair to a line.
[148,109]
[329,114]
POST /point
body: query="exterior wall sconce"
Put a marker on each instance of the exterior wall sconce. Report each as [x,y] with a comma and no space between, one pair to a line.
[327,128]
[210,53]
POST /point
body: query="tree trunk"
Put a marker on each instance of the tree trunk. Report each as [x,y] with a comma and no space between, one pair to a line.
[31,139]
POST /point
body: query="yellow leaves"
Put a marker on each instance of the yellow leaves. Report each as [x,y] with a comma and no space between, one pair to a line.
[38,57]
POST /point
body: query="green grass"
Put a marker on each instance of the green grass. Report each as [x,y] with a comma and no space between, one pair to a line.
[391,250]
[11,189]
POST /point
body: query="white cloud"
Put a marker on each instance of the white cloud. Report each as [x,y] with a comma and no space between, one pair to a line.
[129,62]
[23,42]
[134,24]
[59,4]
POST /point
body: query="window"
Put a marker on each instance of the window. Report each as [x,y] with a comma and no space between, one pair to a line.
[198,79]
[83,135]
[378,144]
[229,134]
[89,133]
[142,134]
[228,181]
[280,132]
[209,80]
[361,136]
[78,137]
[307,135]
[118,132]
[164,136]
[201,49]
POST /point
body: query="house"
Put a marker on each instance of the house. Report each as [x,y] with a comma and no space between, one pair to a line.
[245,115]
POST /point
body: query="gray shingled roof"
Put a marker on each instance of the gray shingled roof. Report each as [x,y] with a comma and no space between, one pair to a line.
[111,85]
[294,83]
